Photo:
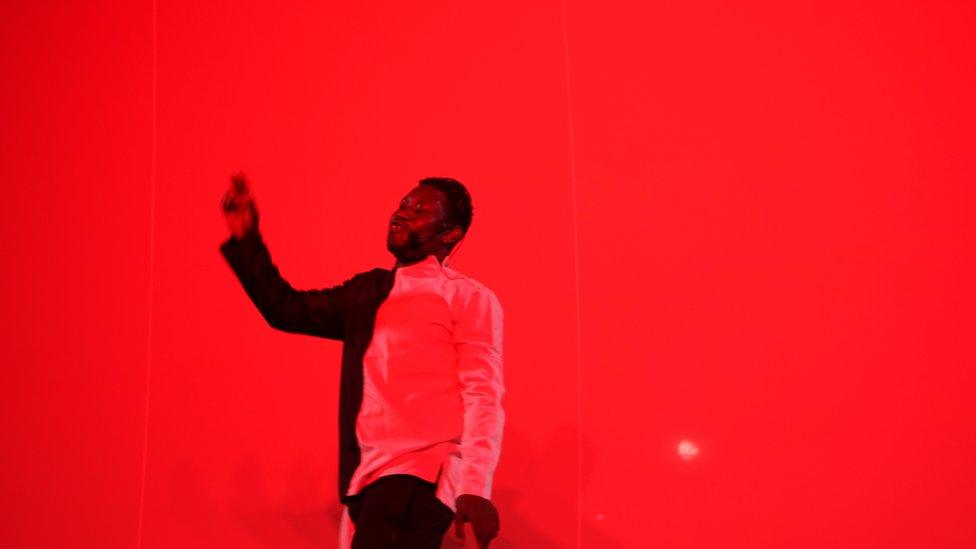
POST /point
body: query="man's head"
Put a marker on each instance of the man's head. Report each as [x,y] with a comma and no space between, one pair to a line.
[431,219]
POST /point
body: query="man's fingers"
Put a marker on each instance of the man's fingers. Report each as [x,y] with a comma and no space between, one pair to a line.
[459,529]
[484,530]
[237,195]
[233,201]
[239,182]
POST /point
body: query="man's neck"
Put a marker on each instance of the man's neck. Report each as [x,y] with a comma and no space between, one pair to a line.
[440,255]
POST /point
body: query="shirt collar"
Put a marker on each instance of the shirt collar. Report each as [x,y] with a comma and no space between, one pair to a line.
[430,266]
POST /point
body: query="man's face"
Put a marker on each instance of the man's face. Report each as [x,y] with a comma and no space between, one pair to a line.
[417,224]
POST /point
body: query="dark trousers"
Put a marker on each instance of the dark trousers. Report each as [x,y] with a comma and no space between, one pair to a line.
[399,511]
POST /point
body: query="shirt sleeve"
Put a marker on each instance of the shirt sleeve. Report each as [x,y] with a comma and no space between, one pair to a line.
[478,336]
[312,312]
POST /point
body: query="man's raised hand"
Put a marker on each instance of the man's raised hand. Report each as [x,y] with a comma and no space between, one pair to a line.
[238,207]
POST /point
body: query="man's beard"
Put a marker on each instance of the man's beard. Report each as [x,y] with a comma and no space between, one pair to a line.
[409,250]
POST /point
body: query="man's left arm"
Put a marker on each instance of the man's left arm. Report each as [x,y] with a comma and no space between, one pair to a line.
[478,336]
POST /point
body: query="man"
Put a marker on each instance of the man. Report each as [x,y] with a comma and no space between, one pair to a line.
[420,416]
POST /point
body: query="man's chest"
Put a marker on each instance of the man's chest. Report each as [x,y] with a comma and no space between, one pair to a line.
[413,318]
[413,334]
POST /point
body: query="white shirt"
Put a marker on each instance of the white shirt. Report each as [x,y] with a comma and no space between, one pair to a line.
[432,384]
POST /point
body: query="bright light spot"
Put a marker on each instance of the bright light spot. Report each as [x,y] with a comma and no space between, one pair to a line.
[599,516]
[687,450]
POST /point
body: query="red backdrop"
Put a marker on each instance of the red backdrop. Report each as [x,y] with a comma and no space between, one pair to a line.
[744,226]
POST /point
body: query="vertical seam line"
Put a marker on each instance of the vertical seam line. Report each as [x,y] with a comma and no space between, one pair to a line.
[149,321]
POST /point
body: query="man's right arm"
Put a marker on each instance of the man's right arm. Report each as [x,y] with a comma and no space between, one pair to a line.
[312,312]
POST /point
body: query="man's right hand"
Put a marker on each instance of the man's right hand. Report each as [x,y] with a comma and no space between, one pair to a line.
[238,207]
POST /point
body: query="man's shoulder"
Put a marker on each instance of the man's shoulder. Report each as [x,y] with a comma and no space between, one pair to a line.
[374,276]
[470,287]
[366,287]
[376,272]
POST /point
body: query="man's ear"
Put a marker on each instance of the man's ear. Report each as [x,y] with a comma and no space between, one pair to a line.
[452,235]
